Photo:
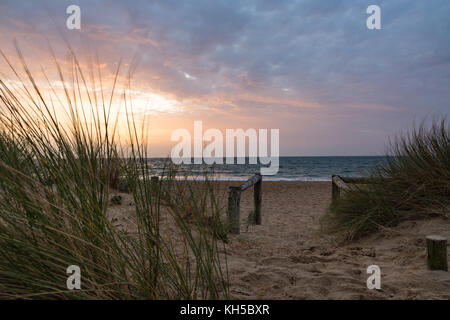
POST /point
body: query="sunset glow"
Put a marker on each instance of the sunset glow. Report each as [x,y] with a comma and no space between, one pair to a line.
[330,85]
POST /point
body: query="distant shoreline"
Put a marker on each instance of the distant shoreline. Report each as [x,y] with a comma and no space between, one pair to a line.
[289,168]
[265,179]
[359,156]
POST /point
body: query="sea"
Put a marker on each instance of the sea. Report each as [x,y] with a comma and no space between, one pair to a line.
[290,168]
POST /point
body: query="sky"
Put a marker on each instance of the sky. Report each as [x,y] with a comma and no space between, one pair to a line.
[310,68]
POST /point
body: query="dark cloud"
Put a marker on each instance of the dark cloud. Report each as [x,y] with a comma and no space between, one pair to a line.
[310,51]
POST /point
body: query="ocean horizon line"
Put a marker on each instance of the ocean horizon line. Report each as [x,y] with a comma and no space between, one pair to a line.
[336,156]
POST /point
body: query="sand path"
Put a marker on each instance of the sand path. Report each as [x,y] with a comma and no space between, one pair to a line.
[287,258]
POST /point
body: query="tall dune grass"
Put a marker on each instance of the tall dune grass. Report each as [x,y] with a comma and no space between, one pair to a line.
[59,156]
[413,183]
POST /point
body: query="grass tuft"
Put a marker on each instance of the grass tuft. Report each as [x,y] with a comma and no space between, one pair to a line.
[413,183]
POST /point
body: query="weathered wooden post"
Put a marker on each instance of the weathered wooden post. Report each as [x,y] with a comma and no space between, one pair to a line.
[154,185]
[334,189]
[154,179]
[257,196]
[123,185]
[437,253]
[234,199]
[338,186]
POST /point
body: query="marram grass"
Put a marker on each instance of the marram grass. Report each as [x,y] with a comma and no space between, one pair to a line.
[55,178]
[413,183]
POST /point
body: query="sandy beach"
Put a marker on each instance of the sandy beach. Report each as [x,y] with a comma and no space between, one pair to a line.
[288,258]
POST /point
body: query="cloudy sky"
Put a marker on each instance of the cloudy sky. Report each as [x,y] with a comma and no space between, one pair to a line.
[310,68]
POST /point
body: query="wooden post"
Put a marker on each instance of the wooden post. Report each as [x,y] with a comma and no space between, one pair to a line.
[154,183]
[154,179]
[257,196]
[234,199]
[338,185]
[123,185]
[334,189]
[437,253]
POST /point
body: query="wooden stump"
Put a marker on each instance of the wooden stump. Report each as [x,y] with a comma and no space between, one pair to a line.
[437,253]
[234,200]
